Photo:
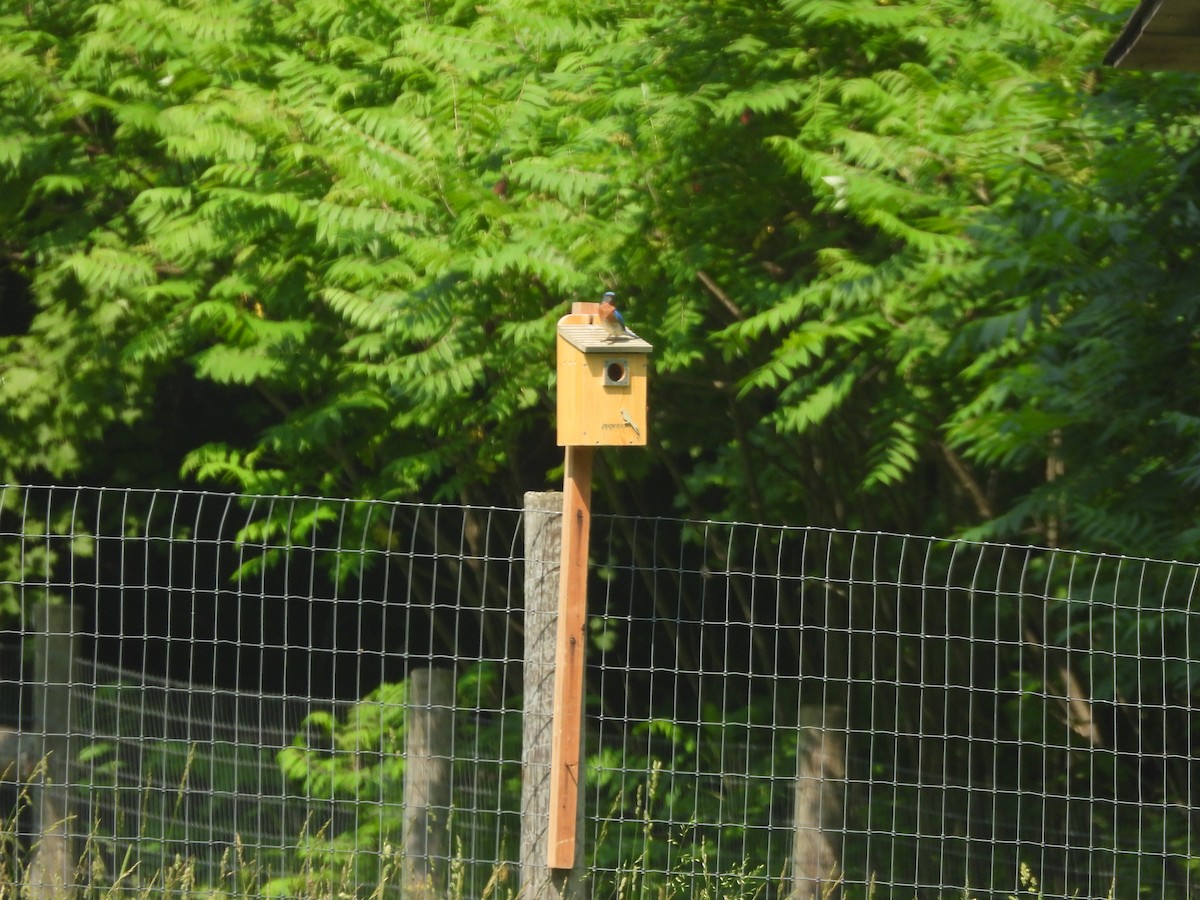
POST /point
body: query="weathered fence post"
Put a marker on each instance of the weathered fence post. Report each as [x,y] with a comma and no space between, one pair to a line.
[820,783]
[543,542]
[429,733]
[50,874]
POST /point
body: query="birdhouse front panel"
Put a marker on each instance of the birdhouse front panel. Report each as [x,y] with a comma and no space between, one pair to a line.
[602,381]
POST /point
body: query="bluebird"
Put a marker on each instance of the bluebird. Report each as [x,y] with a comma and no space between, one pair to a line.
[611,318]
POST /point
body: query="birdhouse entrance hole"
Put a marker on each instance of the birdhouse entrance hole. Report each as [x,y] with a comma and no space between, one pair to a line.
[616,373]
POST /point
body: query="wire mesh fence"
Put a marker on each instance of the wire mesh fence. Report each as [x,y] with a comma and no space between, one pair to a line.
[277,696]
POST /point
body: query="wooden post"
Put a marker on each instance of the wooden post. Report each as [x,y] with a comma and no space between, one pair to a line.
[429,732]
[50,874]
[566,775]
[543,557]
[820,783]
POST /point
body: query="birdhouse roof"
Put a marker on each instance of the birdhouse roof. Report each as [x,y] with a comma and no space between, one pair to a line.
[1160,34]
[589,338]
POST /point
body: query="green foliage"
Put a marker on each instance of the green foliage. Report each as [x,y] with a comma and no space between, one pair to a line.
[658,810]
[887,248]
[357,758]
[1091,373]
[354,764]
[36,549]
[652,832]
[153,801]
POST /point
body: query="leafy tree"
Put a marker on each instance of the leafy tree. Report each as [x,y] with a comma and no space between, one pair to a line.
[1085,371]
[343,232]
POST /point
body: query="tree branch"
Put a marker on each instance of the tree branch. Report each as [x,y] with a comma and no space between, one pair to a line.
[715,290]
[968,481]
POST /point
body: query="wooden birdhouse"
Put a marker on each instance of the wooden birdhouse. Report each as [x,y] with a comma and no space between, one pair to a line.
[601,383]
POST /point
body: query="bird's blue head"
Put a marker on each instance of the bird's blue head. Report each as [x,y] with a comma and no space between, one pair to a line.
[610,297]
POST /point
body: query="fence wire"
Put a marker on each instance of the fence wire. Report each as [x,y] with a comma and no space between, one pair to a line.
[258,688]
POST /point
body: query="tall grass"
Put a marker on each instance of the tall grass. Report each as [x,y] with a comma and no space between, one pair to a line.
[107,868]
